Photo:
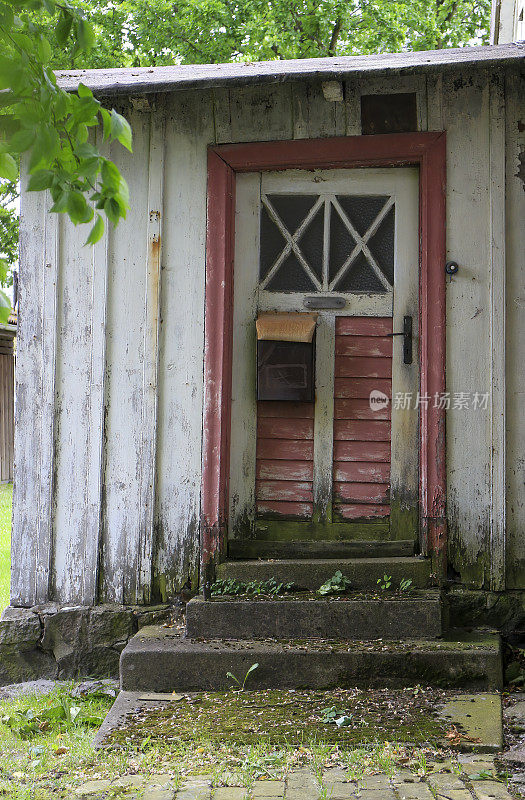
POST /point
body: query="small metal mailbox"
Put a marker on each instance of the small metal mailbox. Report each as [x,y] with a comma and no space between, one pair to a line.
[286,357]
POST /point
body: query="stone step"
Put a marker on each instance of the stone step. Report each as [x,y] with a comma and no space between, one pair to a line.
[159,659]
[261,548]
[311,573]
[311,617]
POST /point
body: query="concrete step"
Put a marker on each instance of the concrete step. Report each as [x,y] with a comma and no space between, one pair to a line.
[312,572]
[261,548]
[159,659]
[310,617]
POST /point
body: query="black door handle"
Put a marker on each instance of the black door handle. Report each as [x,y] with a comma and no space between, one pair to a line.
[406,333]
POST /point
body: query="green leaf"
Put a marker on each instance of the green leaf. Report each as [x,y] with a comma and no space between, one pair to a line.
[6,16]
[44,149]
[112,209]
[85,35]
[8,167]
[44,50]
[96,231]
[61,203]
[63,26]
[43,179]
[121,130]
[111,178]
[106,122]
[78,209]
[83,91]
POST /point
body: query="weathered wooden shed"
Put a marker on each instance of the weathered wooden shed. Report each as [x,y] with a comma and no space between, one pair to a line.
[174,404]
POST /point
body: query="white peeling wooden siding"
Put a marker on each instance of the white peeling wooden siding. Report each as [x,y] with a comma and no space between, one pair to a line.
[189,129]
[515,329]
[109,414]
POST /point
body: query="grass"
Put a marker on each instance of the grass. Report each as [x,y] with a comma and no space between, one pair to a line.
[6,502]
[46,751]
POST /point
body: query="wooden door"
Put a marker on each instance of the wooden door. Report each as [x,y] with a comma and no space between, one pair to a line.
[345,465]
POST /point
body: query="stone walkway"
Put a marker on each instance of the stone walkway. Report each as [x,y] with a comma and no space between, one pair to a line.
[302,784]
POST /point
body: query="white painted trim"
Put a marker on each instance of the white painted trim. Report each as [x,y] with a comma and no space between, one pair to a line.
[497,332]
[150,358]
[243,435]
[404,466]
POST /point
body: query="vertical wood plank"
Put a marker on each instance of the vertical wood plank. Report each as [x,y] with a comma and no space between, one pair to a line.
[72,537]
[47,412]
[497,331]
[515,329]
[34,435]
[314,116]
[95,421]
[261,113]
[435,102]
[150,355]
[124,389]
[244,407]
[404,475]
[324,416]
[466,120]
[189,129]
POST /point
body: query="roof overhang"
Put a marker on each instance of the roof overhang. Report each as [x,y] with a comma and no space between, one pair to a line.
[145,80]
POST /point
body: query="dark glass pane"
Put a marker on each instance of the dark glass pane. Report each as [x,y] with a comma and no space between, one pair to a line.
[272,243]
[361,211]
[341,243]
[311,243]
[381,246]
[292,208]
[360,277]
[291,277]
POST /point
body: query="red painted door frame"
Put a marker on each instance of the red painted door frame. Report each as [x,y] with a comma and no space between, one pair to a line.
[428,152]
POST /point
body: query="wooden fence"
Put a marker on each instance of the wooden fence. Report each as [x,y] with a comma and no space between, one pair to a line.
[7,395]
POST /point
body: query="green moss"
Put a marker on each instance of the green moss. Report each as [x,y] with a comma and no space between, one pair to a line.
[289,717]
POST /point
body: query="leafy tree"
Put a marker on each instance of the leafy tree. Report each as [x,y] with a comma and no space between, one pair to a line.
[50,127]
[51,34]
[8,223]
[215,31]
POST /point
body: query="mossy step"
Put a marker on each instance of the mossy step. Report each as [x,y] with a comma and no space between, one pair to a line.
[311,573]
[355,617]
[158,659]
[241,549]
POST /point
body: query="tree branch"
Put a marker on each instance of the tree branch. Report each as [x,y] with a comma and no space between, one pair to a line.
[334,37]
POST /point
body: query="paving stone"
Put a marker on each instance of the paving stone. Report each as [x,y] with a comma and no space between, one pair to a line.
[374,782]
[230,793]
[262,790]
[413,791]
[129,781]
[478,716]
[302,785]
[445,780]
[92,789]
[195,788]
[516,711]
[158,794]
[454,794]
[339,790]
[490,790]
[516,755]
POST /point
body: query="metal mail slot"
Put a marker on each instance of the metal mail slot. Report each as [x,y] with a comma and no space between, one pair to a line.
[285,370]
